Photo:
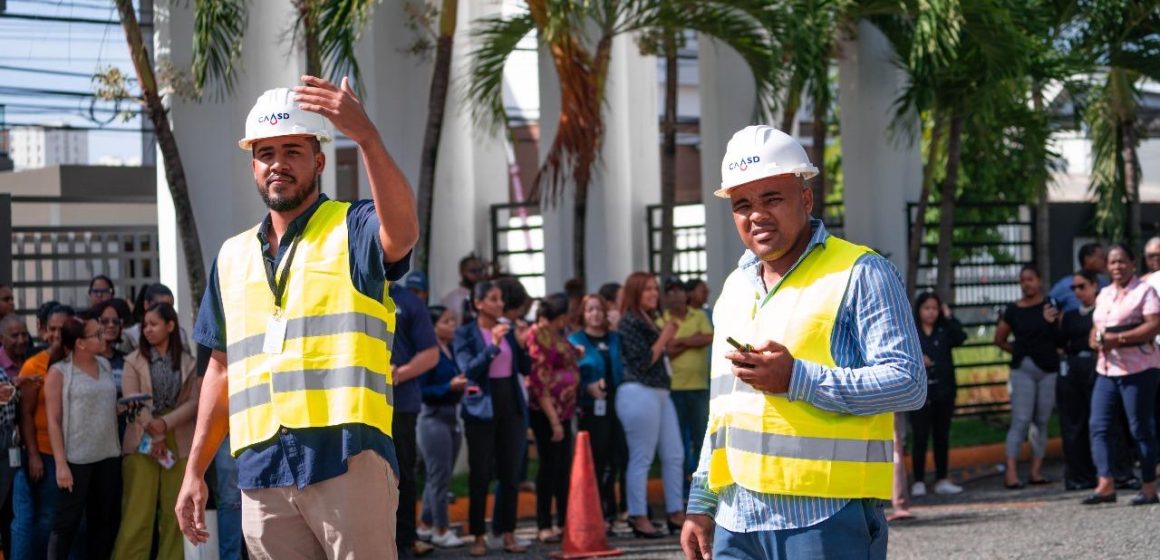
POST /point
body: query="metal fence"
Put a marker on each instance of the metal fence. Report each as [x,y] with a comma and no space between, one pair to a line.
[57,262]
[689,257]
[517,241]
[992,243]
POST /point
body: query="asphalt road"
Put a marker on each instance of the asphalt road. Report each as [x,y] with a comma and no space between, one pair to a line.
[985,521]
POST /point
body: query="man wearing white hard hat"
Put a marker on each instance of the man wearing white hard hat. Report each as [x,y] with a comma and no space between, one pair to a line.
[299,318]
[813,351]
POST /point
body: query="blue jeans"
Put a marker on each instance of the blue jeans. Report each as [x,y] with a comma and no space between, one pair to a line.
[229,503]
[34,510]
[1137,394]
[856,531]
[693,417]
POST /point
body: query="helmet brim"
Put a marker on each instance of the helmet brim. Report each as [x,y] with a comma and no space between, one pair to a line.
[806,173]
[248,143]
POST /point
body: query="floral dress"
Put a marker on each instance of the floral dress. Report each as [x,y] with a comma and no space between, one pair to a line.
[554,371]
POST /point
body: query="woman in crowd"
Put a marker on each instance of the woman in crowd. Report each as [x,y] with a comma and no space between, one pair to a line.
[1034,363]
[1073,391]
[644,407]
[611,294]
[439,434]
[689,354]
[552,386]
[601,371]
[34,495]
[1127,318]
[494,413]
[162,369]
[100,290]
[81,402]
[699,296]
[112,314]
[938,333]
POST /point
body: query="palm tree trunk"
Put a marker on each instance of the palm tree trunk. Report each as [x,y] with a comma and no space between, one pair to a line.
[821,108]
[669,157]
[436,106]
[918,228]
[1042,206]
[171,158]
[306,14]
[579,228]
[946,217]
[1131,178]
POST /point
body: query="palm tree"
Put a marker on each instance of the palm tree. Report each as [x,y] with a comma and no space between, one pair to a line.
[736,25]
[171,157]
[436,106]
[959,55]
[1122,40]
[581,63]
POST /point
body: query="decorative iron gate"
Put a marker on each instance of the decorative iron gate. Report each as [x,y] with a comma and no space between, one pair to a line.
[517,242]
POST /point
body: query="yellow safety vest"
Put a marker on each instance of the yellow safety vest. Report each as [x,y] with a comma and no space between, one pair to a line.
[767,443]
[334,367]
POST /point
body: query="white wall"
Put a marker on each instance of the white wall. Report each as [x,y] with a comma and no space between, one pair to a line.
[881,173]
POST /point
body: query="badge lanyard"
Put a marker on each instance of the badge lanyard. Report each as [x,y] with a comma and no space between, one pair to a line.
[276,325]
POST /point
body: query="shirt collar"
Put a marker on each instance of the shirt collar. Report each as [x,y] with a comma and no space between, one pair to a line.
[750,263]
[296,225]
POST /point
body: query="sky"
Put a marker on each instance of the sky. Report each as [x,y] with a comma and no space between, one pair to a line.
[39,61]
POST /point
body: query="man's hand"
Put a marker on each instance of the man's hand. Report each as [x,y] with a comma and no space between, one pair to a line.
[767,368]
[191,510]
[339,105]
[35,467]
[697,537]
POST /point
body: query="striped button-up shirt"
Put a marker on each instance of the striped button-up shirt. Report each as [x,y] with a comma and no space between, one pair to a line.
[876,344]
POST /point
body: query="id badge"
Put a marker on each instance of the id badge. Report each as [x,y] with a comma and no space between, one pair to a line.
[14,457]
[600,408]
[275,335]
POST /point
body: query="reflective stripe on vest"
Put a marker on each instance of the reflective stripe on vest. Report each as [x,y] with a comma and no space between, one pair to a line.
[767,443]
[334,367]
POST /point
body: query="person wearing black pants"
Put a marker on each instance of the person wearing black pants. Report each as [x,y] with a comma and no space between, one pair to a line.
[494,414]
[95,498]
[415,352]
[601,370]
[1073,392]
[938,332]
[552,386]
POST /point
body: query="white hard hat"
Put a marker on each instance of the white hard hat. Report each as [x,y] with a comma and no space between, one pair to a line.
[760,151]
[277,114]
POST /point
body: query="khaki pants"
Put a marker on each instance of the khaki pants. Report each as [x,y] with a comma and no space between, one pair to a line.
[350,517]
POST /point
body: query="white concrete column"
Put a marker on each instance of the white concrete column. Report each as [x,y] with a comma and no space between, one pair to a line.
[727,99]
[558,217]
[221,185]
[471,170]
[881,172]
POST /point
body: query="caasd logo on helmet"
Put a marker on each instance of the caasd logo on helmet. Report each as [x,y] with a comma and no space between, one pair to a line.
[744,163]
[273,118]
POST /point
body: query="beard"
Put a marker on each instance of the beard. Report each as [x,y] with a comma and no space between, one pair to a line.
[286,202]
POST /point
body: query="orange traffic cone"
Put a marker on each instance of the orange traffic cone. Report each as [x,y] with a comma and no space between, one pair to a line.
[584,535]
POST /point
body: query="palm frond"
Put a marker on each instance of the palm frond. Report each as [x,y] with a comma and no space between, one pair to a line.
[218,27]
[339,25]
[497,38]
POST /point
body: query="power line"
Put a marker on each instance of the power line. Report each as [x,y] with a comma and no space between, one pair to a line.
[51,72]
[58,19]
[26,91]
[58,4]
[67,127]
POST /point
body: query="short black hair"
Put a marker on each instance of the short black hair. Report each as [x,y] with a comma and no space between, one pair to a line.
[608,291]
[1086,250]
[574,288]
[552,307]
[693,283]
[1123,247]
[1030,268]
[45,310]
[466,259]
[107,280]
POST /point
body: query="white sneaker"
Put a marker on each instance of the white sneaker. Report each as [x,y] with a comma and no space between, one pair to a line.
[424,533]
[945,486]
[919,489]
[447,540]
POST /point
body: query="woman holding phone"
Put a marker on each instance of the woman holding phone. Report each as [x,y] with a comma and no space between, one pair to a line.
[494,413]
[644,407]
[1034,363]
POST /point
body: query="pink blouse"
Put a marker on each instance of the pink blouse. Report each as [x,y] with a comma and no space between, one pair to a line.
[1117,306]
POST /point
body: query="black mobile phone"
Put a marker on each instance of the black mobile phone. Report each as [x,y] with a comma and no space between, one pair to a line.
[133,399]
[740,347]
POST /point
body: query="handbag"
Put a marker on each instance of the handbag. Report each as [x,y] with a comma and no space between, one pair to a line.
[477,404]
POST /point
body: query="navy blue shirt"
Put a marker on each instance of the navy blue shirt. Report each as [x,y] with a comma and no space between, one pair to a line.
[414,333]
[437,382]
[304,456]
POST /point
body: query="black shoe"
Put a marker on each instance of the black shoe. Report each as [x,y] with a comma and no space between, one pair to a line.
[654,534]
[1094,499]
[674,528]
[1017,486]
[1143,500]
